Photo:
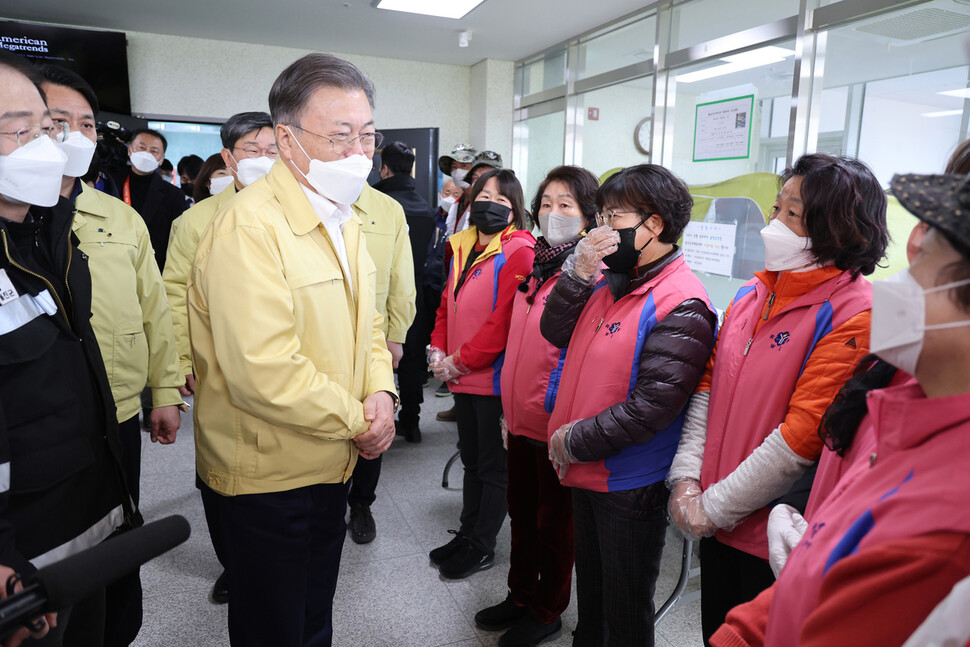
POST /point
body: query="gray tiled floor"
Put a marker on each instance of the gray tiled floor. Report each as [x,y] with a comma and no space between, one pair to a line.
[388,593]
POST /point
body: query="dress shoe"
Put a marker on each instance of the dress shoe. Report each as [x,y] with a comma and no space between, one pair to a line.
[448,415]
[528,632]
[501,616]
[220,590]
[363,530]
[410,431]
[440,554]
[466,561]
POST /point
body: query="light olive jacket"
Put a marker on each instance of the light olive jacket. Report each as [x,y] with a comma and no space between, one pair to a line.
[129,312]
[384,226]
[182,242]
[284,350]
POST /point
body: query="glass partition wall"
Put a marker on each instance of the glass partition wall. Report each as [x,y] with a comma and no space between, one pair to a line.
[728,94]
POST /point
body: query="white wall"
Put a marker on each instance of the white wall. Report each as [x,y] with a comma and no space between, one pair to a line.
[192,77]
[490,97]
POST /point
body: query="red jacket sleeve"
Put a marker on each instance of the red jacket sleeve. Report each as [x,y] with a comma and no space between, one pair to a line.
[881,595]
[482,349]
[439,336]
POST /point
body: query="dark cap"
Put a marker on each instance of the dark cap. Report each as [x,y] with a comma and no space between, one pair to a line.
[462,153]
[941,201]
[486,158]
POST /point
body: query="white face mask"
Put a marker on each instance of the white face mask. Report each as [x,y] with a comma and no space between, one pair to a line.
[32,173]
[458,176]
[79,150]
[339,181]
[558,229]
[219,184]
[445,202]
[144,161]
[784,249]
[250,169]
[899,319]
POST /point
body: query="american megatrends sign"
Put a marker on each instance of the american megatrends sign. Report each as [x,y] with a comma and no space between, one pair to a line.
[100,57]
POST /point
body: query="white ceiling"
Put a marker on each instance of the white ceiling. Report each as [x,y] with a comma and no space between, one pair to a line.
[503,29]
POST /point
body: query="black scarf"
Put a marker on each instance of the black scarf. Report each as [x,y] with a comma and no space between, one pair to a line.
[547,262]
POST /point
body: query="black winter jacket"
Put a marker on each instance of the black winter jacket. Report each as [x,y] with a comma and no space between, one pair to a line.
[57,416]
[671,363]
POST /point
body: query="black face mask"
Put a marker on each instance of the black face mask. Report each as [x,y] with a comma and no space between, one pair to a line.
[188,188]
[489,217]
[626,255]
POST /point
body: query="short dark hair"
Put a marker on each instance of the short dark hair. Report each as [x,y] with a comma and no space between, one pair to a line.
[25,67]
[166,165]
[296,84]
[508,186]
[582,185]
[398,157]
[57,75]
[241,124]
[844,208]
[152,133]
[212,164]
[189,165]
[959,162]
[650,189]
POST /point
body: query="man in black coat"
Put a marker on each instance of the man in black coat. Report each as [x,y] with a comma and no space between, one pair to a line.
[397,160]
[158,202]
[62,487]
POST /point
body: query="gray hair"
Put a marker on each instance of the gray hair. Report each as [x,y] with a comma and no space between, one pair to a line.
[242,124]
[294,86]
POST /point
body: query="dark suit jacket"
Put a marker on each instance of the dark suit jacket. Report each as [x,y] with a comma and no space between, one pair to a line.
[164,202]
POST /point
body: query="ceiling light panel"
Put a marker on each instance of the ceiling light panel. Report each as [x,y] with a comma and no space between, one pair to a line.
[440,8]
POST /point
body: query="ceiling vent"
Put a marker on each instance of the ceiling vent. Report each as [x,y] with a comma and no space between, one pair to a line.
[920,23]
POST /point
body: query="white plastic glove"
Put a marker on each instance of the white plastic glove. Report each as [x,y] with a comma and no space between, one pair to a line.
[559,450]
[435,355]
[686,510]
[584,263]
[450,369]
[785,529]
[504,427]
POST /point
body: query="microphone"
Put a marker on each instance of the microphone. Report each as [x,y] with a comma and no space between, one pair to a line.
[74,578]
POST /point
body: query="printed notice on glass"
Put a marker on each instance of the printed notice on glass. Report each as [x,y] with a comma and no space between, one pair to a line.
[709,247]
[722,129]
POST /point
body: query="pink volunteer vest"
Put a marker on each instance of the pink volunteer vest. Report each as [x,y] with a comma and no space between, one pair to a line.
[755,376]
[917,486]
[475,303]
[533,366]
[601,369]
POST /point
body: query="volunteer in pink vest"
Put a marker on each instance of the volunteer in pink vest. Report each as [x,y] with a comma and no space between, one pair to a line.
[639,334]
[893,537]
[791,338]
[540,508]
[489,261]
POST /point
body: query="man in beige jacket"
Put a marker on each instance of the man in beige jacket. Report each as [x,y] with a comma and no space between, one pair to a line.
[294,377]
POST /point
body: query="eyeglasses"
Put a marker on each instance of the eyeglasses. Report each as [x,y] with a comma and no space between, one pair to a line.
[58,132]
[607,217]
[342,143]
[252,151]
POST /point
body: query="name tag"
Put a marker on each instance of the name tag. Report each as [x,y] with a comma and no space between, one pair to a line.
[7,291]
[24,309]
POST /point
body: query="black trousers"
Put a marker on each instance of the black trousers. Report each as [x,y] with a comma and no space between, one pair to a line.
[283,552]
[210,505]
[413,367]
[619,539]
[363,483]
[484,502]
[729,577]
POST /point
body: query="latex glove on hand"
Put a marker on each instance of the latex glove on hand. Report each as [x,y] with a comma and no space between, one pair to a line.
[591,250]
[450,369]
[559,450]
[682,492]
[435,355]
[785,529]
[698,523]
